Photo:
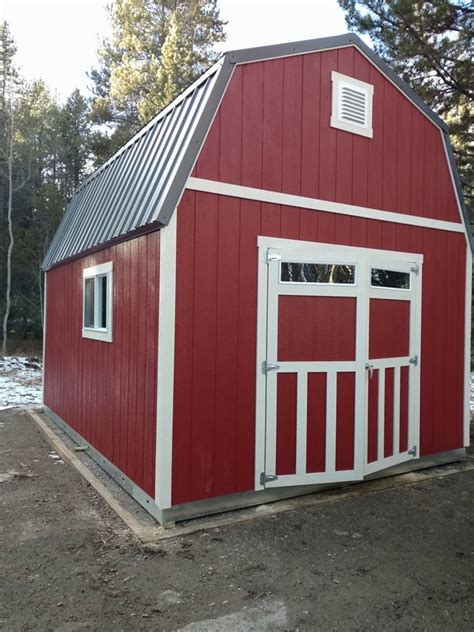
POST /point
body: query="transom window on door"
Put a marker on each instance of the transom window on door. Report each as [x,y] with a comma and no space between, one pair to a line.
[390,279]
[97,302]
[297,272]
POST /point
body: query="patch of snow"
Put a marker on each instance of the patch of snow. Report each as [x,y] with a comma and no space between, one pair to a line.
[267,616]
[471,401]
[20,382]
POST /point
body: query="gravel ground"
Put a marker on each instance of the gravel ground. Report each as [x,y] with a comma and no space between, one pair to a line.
[394,560]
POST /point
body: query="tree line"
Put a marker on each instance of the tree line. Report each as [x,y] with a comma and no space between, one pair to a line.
[156,48]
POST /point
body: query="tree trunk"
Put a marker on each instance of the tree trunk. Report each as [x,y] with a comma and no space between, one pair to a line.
[40,287]
[6,314]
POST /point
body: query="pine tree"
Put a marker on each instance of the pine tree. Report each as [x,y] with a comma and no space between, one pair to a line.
[157,48]
[429,44]
[74,132]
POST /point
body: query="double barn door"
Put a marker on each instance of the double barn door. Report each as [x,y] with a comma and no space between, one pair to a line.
[339,347]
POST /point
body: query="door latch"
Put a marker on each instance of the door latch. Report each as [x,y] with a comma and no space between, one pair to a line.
[414,360]
[268,366]
[370,368]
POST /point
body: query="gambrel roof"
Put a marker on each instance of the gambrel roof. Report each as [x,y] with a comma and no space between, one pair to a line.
[140,186]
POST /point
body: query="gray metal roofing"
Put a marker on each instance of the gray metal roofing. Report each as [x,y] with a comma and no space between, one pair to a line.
[142,183]
[128,191]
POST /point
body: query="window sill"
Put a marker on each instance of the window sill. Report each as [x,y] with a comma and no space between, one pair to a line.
[97,334]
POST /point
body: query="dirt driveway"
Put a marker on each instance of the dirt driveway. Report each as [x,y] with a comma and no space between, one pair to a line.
[395,560]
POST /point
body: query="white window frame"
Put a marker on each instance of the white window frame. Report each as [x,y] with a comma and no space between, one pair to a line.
[96,272]
[338,81]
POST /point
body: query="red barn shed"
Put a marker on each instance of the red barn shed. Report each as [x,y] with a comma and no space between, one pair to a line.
[267,289]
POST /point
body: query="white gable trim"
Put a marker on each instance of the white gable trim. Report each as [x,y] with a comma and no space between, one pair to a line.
[315,204]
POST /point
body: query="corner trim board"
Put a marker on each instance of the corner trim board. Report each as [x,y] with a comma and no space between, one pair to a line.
[165,372]
[467,349]
[456,183]
[45,298]
[315,204]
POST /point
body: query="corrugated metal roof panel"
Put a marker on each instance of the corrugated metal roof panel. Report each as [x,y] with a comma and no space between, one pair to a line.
[129,190]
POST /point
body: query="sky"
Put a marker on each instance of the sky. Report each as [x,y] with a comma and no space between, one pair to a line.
[57,40]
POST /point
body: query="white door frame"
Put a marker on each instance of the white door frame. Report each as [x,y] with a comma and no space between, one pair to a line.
[344,253]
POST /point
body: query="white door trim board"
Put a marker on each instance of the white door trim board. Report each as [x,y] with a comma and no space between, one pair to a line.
[336,250]
[315,204]
[165,371]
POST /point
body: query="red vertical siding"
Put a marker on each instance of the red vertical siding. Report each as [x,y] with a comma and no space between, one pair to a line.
[286,424]
[316,425]
[107,391]
[372,414]
[306,337]
[345,425]
[272,131]
[213,448]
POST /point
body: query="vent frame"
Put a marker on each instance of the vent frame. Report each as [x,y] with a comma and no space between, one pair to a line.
[348,93]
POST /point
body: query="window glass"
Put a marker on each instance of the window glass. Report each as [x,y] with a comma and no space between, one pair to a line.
[390,278]
[98,299]
[102,281]
[317,273]
[89,302]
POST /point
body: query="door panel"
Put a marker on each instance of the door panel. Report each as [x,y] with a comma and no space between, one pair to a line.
[393,354]
[311,338]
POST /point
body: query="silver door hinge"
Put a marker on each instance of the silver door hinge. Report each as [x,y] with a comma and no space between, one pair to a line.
[267,478]
[414,360]
[413,451]
[271,256]
[268,366]
[415,269]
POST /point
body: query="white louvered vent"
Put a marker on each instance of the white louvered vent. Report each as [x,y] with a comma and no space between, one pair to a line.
[351,105]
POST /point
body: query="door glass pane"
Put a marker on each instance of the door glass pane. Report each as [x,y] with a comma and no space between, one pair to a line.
[103,301]
[89,302]
[390,278]
[292,272]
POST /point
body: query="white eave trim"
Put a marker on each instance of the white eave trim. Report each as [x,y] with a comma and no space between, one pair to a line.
[315,204]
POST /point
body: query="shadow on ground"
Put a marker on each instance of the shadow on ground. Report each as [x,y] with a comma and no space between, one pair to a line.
[393,560]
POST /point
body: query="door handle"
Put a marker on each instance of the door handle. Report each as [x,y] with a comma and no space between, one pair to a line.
[370,369]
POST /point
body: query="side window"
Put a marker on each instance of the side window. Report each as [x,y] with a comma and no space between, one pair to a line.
[97,302]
